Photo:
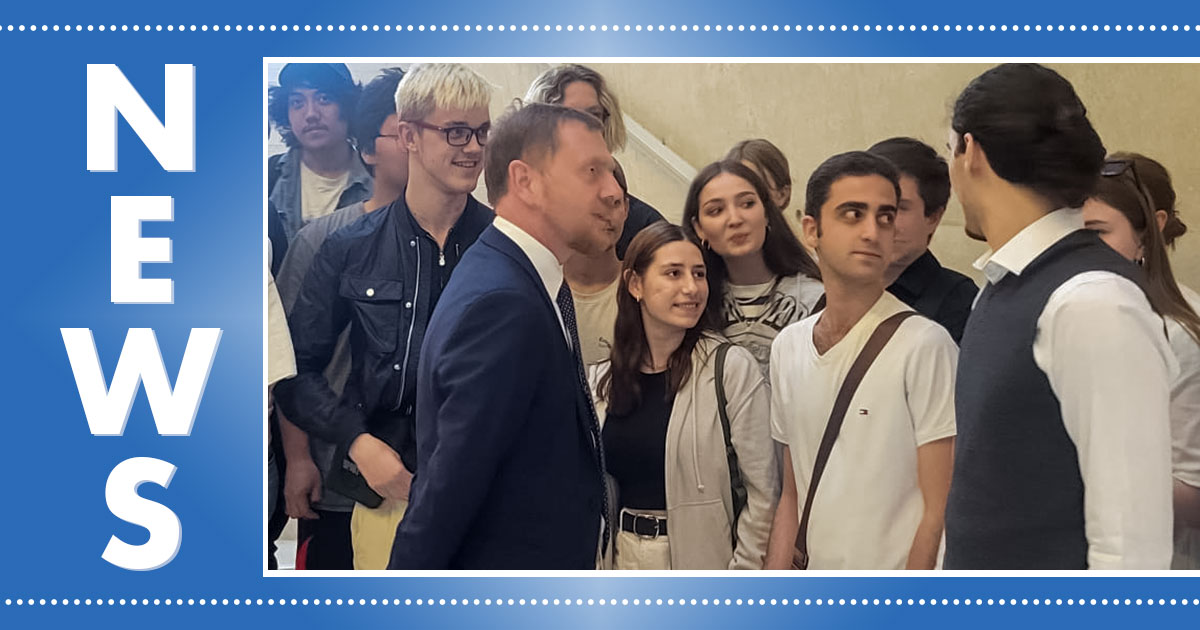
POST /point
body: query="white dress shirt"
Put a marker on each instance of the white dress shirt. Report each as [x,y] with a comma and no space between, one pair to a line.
[1185,427]
[1185,397]
[547,266]
[1106,356]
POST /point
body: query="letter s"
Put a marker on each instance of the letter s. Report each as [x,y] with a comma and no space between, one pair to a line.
[166,533]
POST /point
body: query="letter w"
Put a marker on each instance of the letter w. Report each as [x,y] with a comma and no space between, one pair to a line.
[107,409]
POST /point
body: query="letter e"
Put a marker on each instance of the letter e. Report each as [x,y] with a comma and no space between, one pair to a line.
[129,250]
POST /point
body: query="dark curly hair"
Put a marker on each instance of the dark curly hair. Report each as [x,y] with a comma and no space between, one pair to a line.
[344,93]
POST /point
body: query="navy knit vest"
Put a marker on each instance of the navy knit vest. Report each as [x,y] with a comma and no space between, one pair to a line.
[1016,499]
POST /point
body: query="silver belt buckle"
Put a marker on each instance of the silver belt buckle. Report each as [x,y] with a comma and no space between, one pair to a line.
[654,519]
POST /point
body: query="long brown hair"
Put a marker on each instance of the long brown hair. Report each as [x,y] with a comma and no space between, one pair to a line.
[781,250]
[1138,207]
[1157,182]
[630,349]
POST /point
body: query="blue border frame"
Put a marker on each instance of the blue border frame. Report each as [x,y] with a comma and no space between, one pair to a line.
[58,522]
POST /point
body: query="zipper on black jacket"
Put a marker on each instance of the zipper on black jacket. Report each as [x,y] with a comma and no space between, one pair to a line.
[412,323]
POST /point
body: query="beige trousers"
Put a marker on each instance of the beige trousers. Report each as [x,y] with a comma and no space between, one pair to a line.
[372,531]
[637,553]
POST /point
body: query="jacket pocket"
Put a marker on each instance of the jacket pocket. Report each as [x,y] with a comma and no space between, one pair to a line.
[378,310]
[700,535]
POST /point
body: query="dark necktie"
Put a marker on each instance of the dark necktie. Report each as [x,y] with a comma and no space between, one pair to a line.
[567,307]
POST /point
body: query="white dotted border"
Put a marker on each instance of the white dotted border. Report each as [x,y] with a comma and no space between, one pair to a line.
[1163,28]
[1084,602]
[593,602]
[592,28]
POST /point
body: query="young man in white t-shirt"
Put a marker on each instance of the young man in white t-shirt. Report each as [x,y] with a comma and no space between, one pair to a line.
[881,499]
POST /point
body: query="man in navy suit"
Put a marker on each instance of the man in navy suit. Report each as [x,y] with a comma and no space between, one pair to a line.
[510,469]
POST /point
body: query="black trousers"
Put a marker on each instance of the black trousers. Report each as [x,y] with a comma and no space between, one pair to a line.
[278,518]
[324,543]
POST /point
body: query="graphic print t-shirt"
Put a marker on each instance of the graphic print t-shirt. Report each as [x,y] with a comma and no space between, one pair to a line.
[753,314]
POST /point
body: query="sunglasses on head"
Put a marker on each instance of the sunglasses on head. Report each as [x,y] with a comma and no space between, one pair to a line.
[1117,167]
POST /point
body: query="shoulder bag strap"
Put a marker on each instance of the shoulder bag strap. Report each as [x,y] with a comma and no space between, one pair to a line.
[737,487]
[883,333]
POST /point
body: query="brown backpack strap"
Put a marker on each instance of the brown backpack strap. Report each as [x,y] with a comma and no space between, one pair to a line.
[883,333]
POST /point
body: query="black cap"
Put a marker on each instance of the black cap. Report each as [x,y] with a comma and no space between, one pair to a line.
[323,76]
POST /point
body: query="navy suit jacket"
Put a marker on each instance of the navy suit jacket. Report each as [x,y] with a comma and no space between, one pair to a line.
[507,475]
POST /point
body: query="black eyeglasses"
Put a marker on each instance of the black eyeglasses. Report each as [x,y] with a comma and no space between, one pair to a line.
[459,135]
[1118,167]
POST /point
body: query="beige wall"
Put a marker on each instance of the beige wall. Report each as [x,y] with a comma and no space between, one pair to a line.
[815,110]
[812,111]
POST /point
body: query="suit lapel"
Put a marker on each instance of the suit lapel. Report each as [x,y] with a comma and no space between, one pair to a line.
[494,238]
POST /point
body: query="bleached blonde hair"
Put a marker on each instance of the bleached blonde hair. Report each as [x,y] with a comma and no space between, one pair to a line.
[429,86]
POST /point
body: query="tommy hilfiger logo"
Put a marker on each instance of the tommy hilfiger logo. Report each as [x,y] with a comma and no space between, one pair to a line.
[863,412]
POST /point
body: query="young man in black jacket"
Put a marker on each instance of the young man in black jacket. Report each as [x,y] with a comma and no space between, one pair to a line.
[915,275]
[383,275]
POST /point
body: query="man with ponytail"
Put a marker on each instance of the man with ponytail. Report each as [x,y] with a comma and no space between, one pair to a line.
[1063,452]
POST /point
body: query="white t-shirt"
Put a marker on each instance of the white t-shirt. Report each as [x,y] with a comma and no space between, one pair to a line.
[1185,427]
[753,314]
[319,194]
[596,315]
[869,504]
[281,362]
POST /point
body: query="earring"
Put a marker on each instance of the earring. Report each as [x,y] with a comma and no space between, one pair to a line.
[703,243]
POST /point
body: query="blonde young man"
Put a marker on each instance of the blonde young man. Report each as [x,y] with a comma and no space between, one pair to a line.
[383,276]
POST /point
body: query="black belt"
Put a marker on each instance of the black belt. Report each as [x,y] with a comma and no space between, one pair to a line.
[644,525]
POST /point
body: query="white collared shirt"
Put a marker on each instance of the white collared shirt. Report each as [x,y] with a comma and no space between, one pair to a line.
[1106,356]
[547,266]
